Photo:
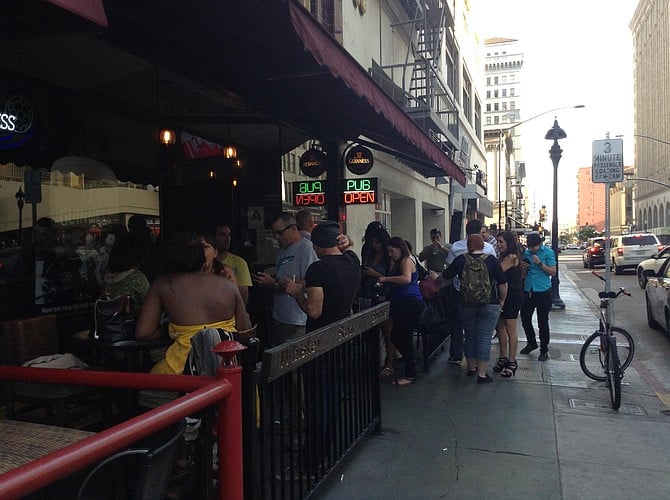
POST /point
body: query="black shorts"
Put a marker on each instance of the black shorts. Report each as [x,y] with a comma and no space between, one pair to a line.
[512,304]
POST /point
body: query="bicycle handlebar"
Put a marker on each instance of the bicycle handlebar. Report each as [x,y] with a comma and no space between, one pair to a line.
[622,290]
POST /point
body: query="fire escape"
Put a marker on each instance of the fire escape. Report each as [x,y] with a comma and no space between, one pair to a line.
[418,84]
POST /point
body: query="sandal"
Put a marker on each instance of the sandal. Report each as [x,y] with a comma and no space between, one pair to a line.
[510,369]
[404,381]
[500,365]
[386,372]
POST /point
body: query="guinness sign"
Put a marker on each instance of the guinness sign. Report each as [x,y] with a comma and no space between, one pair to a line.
[313,162]
[358,160]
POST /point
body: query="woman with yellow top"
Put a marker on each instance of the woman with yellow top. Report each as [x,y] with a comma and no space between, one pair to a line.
[192,298]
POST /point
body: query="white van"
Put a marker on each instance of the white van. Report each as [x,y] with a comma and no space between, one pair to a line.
[628,250]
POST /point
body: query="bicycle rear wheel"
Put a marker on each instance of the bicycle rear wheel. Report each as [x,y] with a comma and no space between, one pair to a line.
[592,358]
[614,373]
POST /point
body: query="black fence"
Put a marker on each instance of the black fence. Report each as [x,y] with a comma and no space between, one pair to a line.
[310,401]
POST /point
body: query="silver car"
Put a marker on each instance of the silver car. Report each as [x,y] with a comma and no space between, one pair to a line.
[650,267]
[628,250]
[657,295]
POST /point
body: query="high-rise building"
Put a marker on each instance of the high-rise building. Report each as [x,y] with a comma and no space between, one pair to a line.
[590,201]
[650,28]
[503,64]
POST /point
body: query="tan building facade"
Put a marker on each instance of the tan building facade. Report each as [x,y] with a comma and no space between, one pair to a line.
[650,28]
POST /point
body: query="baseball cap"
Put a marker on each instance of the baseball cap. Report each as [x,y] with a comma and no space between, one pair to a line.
[533,239]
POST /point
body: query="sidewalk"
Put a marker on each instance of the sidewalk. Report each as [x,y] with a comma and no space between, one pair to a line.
[547,433]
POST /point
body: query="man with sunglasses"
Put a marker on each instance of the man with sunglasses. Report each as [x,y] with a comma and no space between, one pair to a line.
[295,256]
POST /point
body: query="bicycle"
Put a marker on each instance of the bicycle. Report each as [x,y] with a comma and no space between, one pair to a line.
[608,351]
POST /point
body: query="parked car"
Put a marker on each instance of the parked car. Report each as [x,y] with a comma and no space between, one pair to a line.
[651,266]
[628,250]
[594,253]
[657,297]
[572,246]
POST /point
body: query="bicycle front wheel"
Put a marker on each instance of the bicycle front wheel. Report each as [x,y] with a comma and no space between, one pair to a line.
[614,373]
[592,358]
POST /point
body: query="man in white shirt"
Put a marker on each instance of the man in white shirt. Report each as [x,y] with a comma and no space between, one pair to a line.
[459,247]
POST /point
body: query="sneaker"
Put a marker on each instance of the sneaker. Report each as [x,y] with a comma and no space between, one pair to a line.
[543,356]
[487,379]
[291,475]
[528,349]
[454,361]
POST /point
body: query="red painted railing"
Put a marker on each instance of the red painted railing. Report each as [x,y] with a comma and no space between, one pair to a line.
[224,390]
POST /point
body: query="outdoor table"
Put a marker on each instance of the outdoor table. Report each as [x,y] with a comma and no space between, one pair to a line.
[23,442]
[134,354]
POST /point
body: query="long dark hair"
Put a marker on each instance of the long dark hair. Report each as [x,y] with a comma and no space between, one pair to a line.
[513,247]
[374,231]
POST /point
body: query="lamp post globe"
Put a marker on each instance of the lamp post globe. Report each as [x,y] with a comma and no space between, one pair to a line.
[554,134]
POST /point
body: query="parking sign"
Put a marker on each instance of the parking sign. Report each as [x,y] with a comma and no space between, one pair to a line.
[607,163]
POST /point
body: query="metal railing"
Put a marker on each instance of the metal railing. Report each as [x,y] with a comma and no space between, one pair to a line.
[224,391]
[319,395]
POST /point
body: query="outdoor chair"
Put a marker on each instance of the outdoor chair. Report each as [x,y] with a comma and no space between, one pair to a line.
[26,339]
[142,473]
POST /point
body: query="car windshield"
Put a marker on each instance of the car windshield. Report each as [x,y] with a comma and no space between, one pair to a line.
[638,240]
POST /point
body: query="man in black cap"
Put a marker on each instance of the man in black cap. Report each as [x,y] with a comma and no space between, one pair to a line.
[540,265]
[435,254]
[331,282]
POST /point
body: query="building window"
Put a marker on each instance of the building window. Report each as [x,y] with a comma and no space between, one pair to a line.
[512,105]
[495,93]
[511,91]
[496,107]
[495,80]
[504,80]
[504,106]
[504,92]
[467,100]
[383,211]
[488,94]
[496,120]
[488,107]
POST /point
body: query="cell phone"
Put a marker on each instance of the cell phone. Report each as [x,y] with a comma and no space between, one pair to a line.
[525,259]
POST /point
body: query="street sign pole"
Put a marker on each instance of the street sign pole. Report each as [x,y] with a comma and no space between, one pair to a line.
[607,168]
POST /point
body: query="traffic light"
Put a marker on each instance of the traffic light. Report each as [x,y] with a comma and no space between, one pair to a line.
[543,214]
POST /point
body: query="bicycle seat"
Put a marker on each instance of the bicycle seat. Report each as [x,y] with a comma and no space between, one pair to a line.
[606,295]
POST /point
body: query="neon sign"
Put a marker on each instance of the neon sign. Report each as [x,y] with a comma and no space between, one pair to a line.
[309,193]
[359,191]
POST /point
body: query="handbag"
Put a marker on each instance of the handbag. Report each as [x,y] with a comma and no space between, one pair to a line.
[114,318]
[429,288]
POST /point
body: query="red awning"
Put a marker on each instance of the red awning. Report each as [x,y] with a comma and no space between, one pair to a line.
[92,10]
[342,65]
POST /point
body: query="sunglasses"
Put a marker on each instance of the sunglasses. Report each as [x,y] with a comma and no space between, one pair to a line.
[282,231]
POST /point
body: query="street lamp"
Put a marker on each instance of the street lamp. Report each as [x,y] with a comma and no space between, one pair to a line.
[20,202]
[554,134]
[503,132]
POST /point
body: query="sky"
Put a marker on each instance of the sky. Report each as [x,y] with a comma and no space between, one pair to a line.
[575,52]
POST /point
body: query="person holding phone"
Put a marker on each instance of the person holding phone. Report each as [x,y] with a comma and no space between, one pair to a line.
[540,264]
[295,256]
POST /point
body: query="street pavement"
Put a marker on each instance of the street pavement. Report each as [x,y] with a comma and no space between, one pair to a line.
[549,432]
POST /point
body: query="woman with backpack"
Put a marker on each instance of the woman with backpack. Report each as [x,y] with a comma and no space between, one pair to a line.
[483,286]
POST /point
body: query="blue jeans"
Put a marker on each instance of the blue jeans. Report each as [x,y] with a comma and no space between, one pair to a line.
[479,324]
